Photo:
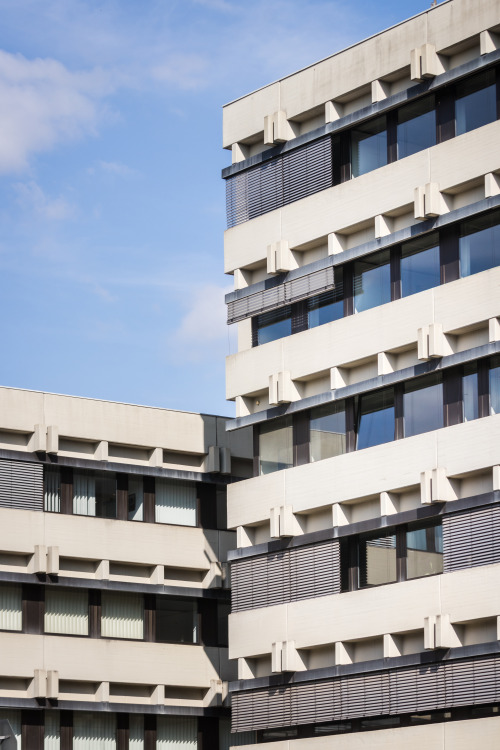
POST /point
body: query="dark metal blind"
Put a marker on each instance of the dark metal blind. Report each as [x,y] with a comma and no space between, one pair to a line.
[423,688]
[284,179]
[471,538]
[21,485]
[291,291]
[286,576]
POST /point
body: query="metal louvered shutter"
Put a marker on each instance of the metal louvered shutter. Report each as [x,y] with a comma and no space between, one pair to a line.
[315,570]
[307,170]
[471,538]
[21,485]
[237,199]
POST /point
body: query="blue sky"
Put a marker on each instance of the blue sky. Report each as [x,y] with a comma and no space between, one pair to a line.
[111,204]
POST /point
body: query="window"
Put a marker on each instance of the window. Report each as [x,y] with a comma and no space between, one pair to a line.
[423,405]
[377,560]
[176,731]
[176,621]
[476,102]
[66,611]
[276,446]
[424,551]
[495,386]
[376,418]
[470,392]
[52,489]
[175,502]
[369,146]
[274,325]
[122,615]
[416,128]
[326,307]
[372,281]
[94,494]
[11,607]
[94,730]
[420,267]
[327,432]
[479,244]
[135,500]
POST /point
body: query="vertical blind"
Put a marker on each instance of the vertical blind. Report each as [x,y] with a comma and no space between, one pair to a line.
[66,611]
[14,718]
[136,732]
[83,494]
[52,736]
[11,607]
[176,733]
[175,502]
[94,731]
[122,615]
[52,489]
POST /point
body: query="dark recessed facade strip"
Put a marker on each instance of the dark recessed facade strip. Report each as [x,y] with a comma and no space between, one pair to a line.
[243,297]
[126,708]
[355,118]
[338,394]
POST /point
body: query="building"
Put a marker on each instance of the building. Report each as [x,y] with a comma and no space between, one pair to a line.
[113,586]
[363,207]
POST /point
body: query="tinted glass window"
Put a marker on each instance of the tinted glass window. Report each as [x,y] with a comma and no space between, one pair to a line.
[377,560]
[416,128]
[369,147]
[274,325]
[327,434]
[424,551]
[372,281]
[480,244]
[328,306]
[94,494]
[423,405]
[105,495]
[495,386]
[470,392]
[476,102]
[376,419]
[420,265]
[176,620]
[276,446]
[135,498]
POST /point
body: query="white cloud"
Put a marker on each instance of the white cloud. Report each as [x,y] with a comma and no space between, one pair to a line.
[203,332]
[43,103]
[31,196]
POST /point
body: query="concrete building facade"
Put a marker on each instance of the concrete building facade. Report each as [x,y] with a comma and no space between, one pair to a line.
[113,583]
[363,207]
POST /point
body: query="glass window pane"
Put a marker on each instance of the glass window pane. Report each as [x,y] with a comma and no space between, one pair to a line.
[135,498]
[372,281]
[377,560]
[94,494]
[423,406]
[11,607]
[495,386]
[369,147]
[420,265]
[470,392]
[52,731]
[424,551]
[52,489]
[274,325]
[480,244]
[416,128]
[105,495]
[66,611]
[276,446]
[176,732]
[175,502]
[376,419]
[328,306]
[476,102]
[176,620]
[94,731]
[327,431]
[122,615]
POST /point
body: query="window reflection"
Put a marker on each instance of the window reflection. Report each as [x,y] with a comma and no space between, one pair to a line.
[372,281]
[276,446]
[327,434]
[94,494]
[377,560]
[135,498]
[424,550]
[416,128]
[423,405]
[480,244]
[327,306]
[369,147]
[176,620]
[495,386]
[274,325]
[420,265]
[376,419]
[476,102]
[470,392]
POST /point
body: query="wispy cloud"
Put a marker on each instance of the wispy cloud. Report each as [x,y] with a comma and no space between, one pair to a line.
[115,168]
[202,332]
[31,197]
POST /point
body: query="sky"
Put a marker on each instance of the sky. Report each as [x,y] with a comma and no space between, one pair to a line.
[112,207]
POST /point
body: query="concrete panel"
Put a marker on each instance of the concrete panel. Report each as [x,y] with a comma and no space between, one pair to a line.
[251,500]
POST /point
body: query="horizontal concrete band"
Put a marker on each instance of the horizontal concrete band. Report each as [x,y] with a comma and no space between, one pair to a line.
[378,108]
[105,585]
[425,658]
[426,512]
[48,459]
[381,381]
[366,248]
[42,704]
